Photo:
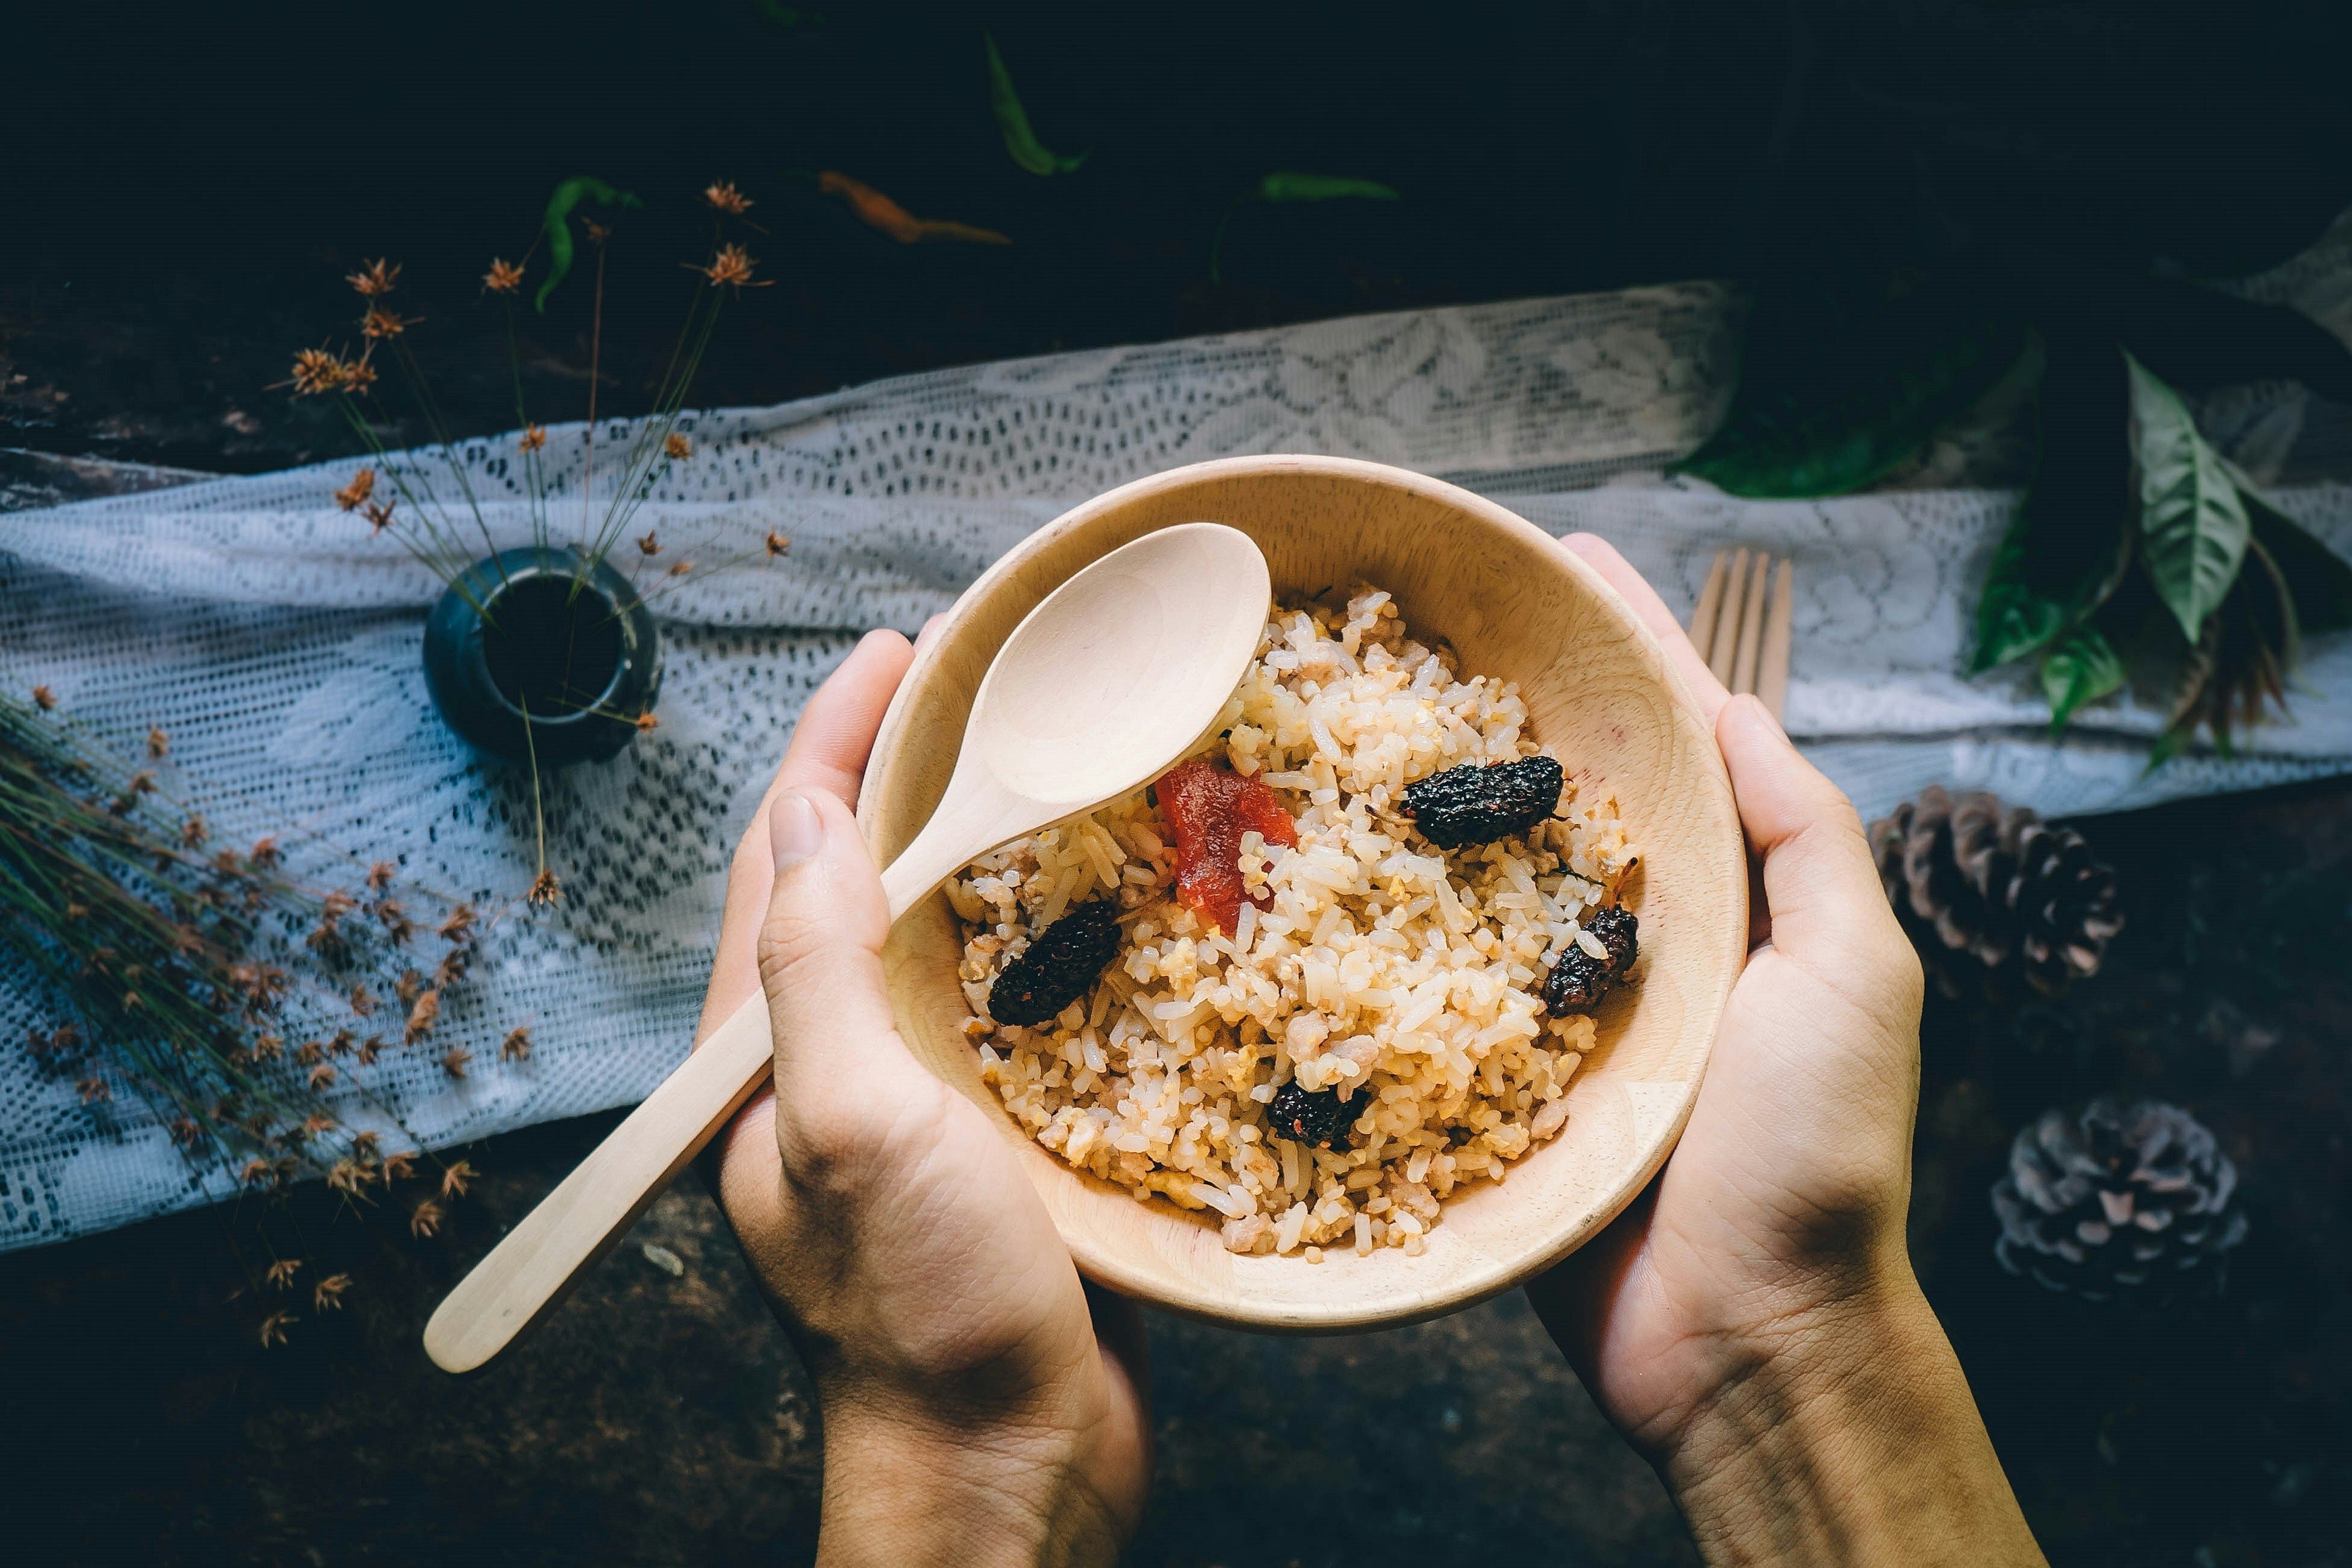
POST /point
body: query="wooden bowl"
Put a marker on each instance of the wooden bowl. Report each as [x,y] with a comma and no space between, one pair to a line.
[1602,696]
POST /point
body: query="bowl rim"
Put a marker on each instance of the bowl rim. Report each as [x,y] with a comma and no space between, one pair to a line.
[1407,1304]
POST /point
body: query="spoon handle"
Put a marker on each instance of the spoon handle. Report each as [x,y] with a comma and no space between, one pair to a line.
[534,1266]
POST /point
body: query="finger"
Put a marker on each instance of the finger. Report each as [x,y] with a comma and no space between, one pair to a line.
[836,729]
[1575,1299]
[1603,557]
[820,949]
[1828,910]
[829,748]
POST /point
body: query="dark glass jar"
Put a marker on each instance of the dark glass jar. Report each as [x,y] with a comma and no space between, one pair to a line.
[533,651]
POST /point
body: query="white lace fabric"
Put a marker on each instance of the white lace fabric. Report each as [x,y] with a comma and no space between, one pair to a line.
[278,643]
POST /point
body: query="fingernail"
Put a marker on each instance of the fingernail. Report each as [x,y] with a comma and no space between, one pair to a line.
[1755,708]
[795,829]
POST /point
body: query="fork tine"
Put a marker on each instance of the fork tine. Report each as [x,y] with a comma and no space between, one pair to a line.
[1710,601]
[1772,672]
[1751,627]
[1727,624]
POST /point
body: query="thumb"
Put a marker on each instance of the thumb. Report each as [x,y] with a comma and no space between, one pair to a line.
[1829,909]
[821,944]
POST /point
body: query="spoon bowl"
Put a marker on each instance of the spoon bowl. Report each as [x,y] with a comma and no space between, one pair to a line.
[1110,678]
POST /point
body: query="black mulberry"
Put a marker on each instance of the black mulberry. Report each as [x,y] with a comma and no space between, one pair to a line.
[1477,804]
[1057,967]
[1577,980]
[1310,1116]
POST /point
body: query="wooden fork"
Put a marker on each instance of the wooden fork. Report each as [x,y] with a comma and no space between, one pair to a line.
[1741,625]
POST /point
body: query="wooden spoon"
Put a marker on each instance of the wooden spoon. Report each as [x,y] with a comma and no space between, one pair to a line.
[1114,676]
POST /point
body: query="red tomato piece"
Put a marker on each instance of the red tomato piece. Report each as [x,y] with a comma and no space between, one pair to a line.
[1208,808]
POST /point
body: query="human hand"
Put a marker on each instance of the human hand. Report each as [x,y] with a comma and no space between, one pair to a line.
[979,1405]
[1752,1323]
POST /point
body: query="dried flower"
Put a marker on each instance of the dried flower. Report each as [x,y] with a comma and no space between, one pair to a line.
[368,1050]
[649,545]
[348,1176]
[422,1018]
[257,1172]
[380,876]
[363,1000]
[379,516]
[263,853]
[364,1145]
[268,1047]
[362,486]
[398,1167]
[516,1047]
[460,927]
[44,698]
[323,1075]
[380,323]
[645,721]
[731,268]
[354,375]
[316,371]
[532,439]
[453,1060]
[327,1296]
[158,742]
[193,832]
[777,544]
[723,195]
[451,969]
[455,1176]
[281,1273]
[273,1328]
[544,888]
[407,986]
[679,568]
[677,448]
[503,277]
[186,1133]
[377,279]
[93,1089]
[318,1122]
[425,1218]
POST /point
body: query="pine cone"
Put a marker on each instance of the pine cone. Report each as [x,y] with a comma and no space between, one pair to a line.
[2120,1200]
[1968,877]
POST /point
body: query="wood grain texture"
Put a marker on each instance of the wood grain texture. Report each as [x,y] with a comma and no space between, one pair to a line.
[1511,602]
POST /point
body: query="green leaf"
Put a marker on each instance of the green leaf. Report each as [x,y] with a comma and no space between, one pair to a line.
[1288,186]
[1012,121]
[1835,391]
[2193,526]
[2068,548]
[557,225]
[2082,669]
[2321,579]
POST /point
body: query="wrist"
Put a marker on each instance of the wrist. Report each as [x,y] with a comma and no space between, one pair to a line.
[1845,1432]
[904,1490]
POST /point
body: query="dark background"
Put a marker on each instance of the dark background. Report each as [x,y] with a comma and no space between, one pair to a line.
[181,190]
